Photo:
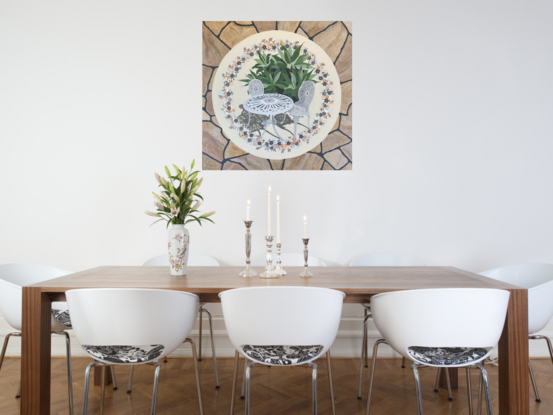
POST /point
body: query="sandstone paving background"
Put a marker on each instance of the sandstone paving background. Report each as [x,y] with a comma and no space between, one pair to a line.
[335,151]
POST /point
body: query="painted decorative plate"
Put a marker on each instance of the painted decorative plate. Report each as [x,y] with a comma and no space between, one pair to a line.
[289,67]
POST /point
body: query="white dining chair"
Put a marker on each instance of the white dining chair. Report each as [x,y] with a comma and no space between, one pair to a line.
[195,259]
[290,260]
[134,327]
[282,326]
[381,260]
[13,277]
[446,339]
[538,279]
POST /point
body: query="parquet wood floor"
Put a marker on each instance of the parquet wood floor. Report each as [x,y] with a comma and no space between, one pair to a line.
[275,391]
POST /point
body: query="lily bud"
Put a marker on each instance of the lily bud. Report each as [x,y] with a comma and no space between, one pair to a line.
[163,181]
[197,205]
[158,178]
[177,169]
[155,215]
[176,197]
[167,171]
[156,196]
[200,182]
[183,186]
[207,215]
[192,166]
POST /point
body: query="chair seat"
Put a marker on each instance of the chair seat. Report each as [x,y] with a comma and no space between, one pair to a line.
[298,109]
[125,354]
[282,355]
[446,356]
[62,317]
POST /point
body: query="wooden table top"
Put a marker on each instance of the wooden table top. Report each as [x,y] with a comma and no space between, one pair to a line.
[358,283]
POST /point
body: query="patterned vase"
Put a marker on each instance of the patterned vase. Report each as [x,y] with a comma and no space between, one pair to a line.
[178,245]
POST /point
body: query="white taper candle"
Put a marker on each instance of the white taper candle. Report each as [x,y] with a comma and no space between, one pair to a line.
[269,212]
[305,227]
[248,211]
[278,219]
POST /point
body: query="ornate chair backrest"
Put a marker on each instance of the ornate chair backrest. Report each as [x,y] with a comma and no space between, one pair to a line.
[307,92]
[256,88]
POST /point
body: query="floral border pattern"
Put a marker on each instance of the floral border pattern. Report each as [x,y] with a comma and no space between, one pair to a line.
[275,144]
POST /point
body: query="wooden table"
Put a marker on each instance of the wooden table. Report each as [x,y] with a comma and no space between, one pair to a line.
[358,283]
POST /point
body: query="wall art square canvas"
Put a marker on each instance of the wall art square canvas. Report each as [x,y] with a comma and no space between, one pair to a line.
[277,95]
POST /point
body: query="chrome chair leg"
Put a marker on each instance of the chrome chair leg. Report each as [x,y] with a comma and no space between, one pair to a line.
[314,381]
[366,339]
[113,378]
[418,386]
[533,381]
[449,396]
[200,335]
[199,386]
[129,390]
[437,386]
[86,386]
[103,390]
[448,383]
[213,348]
[479,409]
[363,356]
[69,376]
[330,382]
[247,377]
[243,394]
[156,384]
[484,374]
[469,390]
[371,378]
[234,378]
[4,348]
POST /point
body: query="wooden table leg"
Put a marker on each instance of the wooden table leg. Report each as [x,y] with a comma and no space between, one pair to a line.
[514,389]
[35,352]
[98,376]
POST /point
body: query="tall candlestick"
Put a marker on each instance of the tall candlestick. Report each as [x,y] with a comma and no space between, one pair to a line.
[269,212]
[278,219]
[248,211]
[305,227]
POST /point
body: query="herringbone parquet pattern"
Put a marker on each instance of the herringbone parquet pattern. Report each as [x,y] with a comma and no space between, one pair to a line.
[275,391]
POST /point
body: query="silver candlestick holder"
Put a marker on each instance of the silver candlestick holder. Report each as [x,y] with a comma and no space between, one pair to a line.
[269,269]
[278,268]
[248,272]
[305,273]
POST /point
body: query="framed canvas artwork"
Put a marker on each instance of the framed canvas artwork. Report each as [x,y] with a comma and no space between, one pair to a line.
[277,95]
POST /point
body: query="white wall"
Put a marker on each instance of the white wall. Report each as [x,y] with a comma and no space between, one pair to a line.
[452,135]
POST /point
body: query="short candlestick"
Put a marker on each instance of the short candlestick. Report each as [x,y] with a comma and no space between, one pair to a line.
[248,272]
[305,273]
[278,268]
[269,269]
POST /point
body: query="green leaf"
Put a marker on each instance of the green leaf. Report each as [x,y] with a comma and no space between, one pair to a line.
[296,53]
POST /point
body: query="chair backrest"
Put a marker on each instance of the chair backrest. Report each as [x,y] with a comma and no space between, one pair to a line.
[256,88]
[538,279]
[132,317]
[13,277]
[385,260]
[289,260]
[448,317]
[194,260]
[283,316]
[306,93]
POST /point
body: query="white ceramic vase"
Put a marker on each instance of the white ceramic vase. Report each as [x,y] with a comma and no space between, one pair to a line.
[178,245]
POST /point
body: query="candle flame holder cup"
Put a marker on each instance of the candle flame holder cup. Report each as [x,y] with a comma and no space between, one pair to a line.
[269,269]
[248,272]
[305,273]
[278,268]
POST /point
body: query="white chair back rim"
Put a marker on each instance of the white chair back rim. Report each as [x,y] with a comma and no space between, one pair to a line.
[282,316]
[409,260]
[441,318]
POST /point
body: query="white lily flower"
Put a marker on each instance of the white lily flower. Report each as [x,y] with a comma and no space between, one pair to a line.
[174,211]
